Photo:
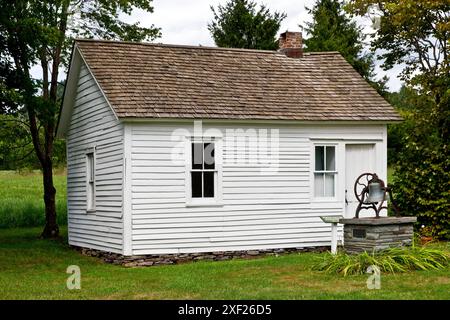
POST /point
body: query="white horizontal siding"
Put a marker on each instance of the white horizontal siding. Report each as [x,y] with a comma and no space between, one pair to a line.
[94,124]
[260,211]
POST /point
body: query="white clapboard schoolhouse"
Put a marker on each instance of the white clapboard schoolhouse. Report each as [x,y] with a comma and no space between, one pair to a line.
[179,149]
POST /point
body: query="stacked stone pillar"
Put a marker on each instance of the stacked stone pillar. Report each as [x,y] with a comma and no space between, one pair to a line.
[375,234]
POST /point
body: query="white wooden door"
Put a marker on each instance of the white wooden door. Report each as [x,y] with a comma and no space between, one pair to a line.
[359,158]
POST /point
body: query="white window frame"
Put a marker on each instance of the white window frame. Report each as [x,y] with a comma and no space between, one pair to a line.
[324,172]
[90,184]
[217,200]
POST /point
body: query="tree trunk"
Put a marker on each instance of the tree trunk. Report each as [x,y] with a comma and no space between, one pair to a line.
[51,229]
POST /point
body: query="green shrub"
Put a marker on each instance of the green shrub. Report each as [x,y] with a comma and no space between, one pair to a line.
[419,154]
[393,260]
[421,184]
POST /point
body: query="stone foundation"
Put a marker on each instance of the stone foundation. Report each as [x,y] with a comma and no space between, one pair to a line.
[154,260]
[375,234]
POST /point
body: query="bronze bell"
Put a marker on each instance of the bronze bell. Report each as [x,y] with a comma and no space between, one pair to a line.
[376,193]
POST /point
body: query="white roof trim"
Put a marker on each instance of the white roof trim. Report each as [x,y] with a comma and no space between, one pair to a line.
[259,121]
[71,92]
[69,95]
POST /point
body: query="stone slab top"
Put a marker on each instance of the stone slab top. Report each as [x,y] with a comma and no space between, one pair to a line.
[379,221]
[331,219]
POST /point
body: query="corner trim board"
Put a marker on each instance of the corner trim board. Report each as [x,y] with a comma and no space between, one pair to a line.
[127,182]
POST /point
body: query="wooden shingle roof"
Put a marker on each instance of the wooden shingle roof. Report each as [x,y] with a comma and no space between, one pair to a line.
[167,81]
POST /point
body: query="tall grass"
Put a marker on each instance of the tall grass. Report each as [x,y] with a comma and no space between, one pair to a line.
[393,260]
[21,199]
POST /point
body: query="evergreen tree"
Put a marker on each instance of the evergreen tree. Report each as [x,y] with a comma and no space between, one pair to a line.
[332,30]
[239,24]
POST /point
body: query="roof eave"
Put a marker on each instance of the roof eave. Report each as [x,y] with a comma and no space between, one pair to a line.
[259,121]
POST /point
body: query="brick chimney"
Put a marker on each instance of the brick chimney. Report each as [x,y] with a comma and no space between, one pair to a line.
[290,43]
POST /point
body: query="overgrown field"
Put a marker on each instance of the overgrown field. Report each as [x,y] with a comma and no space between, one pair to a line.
[22,202]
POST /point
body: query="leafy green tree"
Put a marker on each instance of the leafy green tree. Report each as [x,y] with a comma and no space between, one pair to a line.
[239,24]
[332,30]
[40,32]
[15,145]
[416,34]
[404,101]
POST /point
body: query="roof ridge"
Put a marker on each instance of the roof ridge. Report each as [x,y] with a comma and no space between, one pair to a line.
[184,46]
[320,53]
[168,45]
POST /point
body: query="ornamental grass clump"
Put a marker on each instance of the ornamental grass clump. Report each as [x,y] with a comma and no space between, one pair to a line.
[393,260]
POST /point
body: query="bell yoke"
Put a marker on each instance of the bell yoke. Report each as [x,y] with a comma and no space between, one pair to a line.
[371,193]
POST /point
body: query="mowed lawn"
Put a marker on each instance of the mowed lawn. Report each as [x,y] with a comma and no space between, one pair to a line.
[31,268]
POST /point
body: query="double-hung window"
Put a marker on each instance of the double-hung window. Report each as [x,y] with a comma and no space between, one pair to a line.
[90,181]
[203,170]
[325,171]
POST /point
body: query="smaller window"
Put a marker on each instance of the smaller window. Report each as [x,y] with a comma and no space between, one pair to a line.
[325,171]
[90,187]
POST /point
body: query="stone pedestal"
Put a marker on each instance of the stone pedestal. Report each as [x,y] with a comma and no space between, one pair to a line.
[374,234]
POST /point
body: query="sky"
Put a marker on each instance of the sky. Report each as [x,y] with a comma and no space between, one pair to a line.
[186,21]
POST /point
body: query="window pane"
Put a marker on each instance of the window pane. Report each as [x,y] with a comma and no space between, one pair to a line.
[90,167]
[89,196]
[91,177]
[209,156]
[329,185]
[331,159]
[318,184]
[319,158]
[208,184]
[197,156]
[196,183]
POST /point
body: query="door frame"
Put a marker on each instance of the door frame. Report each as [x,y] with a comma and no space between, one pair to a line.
[380,164]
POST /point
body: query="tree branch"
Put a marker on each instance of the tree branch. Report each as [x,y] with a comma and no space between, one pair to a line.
[25,156]
[15,120]
[50,123]
[23,146]
[44,65]
[35,135]
[57,52]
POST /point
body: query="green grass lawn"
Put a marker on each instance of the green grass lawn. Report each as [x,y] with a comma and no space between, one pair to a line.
[32,268]
[21,199]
